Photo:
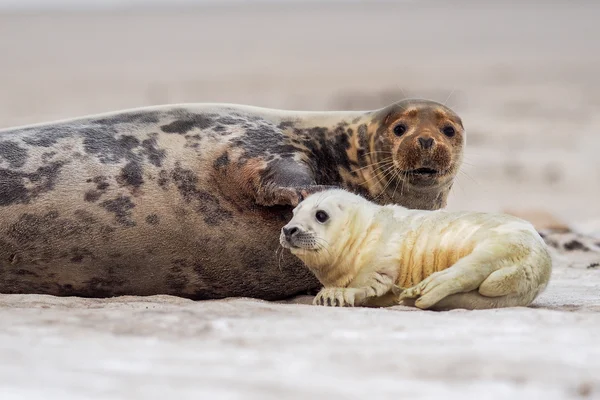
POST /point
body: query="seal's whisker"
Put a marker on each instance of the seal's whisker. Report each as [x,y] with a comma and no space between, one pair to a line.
[402,91]
[368,166]
[397,102]
[462,189]
[404,178]
[381,176]
[280,257]
[389,176]
[379,152]
[468,176]
[450,95]
[394,175]
[377,171]
[381,163]
[398,181]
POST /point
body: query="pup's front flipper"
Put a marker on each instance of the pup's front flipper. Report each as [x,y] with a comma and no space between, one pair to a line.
[339,297]
[376,286]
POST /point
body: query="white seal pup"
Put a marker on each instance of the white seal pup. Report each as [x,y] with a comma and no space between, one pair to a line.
[374,255]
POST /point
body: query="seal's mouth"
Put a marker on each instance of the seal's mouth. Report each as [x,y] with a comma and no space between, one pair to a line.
[424,171]
[426,176]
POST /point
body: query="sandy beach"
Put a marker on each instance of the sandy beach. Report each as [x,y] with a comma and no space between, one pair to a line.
[523,76]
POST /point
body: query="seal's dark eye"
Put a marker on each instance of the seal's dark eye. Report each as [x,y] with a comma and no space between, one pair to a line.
[321,216]
[449,131]
[399,129]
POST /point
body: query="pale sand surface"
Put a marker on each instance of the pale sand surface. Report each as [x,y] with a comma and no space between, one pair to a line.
[525,79]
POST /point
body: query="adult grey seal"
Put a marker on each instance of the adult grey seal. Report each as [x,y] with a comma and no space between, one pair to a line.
[189,199]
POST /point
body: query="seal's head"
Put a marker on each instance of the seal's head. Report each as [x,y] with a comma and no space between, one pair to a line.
[321,223]
[422,140]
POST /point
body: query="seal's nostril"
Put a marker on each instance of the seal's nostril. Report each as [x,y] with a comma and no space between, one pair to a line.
[426,142]
[290,232]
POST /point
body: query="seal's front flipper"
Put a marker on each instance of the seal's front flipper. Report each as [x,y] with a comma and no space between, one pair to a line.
[339,297]
[286,182]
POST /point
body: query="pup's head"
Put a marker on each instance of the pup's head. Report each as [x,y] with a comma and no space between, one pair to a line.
[318,224]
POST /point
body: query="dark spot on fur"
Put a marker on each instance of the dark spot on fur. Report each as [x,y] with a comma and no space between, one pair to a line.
[219,128]
[327,153]
[153,153]
[204,202]
[48,155]
[131,174]
[177,279]
[47,136]
[78,254]
[13,258]
[102,286]
[100,182]
[363,142]
[92,196]
[228,120]
[575,245]
[85,216]
[121,206]
[261,139]
[186,121]
[142,117]
[221,161]
[283,125]
[152,219]
[34,228]
[107,147]
[342,141]
[593,265]
[15,155]
[21,187]
[163,179]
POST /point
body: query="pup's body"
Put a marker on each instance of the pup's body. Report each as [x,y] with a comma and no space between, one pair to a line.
[367,254]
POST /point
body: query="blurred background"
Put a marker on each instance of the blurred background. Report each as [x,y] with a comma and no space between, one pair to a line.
[522,74]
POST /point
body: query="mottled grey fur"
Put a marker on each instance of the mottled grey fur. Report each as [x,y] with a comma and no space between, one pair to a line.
[183,200]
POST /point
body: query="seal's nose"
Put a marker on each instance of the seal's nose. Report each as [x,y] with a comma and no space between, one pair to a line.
[290,232]
[426,143]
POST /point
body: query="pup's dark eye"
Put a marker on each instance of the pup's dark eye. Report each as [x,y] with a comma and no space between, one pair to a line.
[399,129]
[321,216]
[449,131]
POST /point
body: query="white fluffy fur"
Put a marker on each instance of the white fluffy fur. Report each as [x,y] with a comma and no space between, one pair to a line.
[367,254]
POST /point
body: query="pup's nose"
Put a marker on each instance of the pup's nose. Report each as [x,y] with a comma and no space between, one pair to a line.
[290,232]
[426,142]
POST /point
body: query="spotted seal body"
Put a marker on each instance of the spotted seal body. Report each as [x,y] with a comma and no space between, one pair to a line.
[189,199]
[367,254]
